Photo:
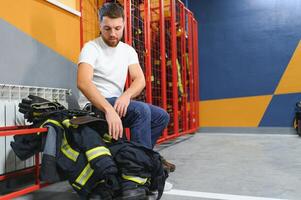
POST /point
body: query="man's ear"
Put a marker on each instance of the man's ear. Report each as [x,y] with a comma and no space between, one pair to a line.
[99,29]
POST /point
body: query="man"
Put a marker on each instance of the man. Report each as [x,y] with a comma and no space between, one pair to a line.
[102,70]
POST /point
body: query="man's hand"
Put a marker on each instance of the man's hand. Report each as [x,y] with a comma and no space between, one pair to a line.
[115,124]
[121,104]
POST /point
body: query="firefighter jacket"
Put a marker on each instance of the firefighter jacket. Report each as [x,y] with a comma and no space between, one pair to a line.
[84,159]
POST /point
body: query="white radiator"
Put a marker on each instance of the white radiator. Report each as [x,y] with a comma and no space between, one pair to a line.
[10,96]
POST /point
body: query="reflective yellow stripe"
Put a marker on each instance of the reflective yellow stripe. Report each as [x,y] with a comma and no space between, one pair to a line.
[107,138]
[179,77]
[53,122]
[84,175]
[96,152]
[65,147]
[76,186]
[68,151]
[67,123]
[101,181]
[35,114]
[135,179]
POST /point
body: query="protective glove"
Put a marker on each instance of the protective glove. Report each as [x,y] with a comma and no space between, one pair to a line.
[35,108]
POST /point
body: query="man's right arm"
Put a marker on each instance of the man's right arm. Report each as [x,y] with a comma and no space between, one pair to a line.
[88,88]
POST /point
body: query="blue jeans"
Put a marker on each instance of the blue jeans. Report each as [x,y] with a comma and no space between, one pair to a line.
[145,121]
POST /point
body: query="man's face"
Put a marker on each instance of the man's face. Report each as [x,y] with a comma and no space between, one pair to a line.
[111,30]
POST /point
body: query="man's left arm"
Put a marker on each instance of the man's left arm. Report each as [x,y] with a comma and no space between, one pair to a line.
[137,85]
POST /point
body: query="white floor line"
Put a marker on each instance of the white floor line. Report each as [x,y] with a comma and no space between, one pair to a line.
[188,193]
[252,134]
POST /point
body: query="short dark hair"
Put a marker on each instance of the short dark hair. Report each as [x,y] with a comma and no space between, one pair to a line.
[112,10]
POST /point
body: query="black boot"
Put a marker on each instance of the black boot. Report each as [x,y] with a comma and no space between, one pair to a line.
[168,166]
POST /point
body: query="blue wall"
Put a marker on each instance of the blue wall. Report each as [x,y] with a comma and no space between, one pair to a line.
[244,45]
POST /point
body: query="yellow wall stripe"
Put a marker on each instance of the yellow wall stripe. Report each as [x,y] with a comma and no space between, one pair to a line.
[71,3]
[50,25]
[290,81]
[233,112]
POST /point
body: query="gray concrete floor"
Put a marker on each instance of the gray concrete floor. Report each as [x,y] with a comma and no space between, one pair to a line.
[217,165]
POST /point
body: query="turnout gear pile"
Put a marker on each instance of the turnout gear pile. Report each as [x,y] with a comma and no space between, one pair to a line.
[78,149]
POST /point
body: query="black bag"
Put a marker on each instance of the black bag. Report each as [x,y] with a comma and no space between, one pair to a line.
[297,120]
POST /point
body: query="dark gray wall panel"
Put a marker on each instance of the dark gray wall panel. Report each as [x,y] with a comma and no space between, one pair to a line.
[25,61]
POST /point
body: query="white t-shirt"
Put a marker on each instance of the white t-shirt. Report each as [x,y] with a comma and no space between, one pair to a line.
[110,66]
